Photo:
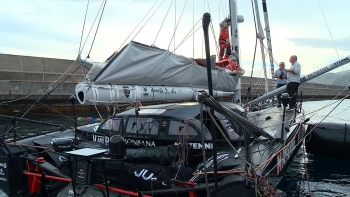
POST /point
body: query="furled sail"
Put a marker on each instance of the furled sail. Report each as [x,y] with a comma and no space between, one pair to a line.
[140,64]
[144,73]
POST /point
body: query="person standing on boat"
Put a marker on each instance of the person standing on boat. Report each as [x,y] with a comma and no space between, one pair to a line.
[224,40]
[293,81]
[281,76]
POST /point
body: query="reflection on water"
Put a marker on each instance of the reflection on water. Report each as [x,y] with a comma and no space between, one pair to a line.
[327,177]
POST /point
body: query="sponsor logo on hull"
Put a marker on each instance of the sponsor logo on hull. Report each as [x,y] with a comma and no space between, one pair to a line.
[283,157]
[134,142]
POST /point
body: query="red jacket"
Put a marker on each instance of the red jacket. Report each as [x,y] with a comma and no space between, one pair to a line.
[224,34]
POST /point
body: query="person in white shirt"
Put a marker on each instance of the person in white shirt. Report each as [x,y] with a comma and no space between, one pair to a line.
[281,76]
[293,81]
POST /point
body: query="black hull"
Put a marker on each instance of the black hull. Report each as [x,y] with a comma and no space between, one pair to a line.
[329,140]
[149,163]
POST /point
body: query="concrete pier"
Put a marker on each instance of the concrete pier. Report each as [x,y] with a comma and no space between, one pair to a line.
[23,79]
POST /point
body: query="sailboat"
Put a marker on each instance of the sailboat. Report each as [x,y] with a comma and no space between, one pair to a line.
[202,148]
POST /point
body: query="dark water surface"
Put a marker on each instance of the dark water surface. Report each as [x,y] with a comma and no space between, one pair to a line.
[327,177]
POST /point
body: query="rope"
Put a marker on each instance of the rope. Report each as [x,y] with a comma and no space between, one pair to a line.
[319,93]
[269,53]
[98,111]
[335,97]
[312,112]
[182,142]
[255,86]
[279,152]
[224,136]
[268,190]
[308,133]
[257,138]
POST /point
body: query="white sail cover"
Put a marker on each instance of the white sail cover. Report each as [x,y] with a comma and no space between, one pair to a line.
[140,64]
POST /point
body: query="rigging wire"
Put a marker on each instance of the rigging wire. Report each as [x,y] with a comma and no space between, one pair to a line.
[227,2]
[163,21]
[336,96]
[305,114]
[340,113]
[208,6]
[82,31]
[256,43]
[45,94]
[251,133]
[174,27]
[173,37]
[216,43]
[148,20]
[45,88]
[91,28]
[88,56]
[318,122]
[98,111]
[137,25]
[256,86]
[347,95]
[225,137]
[219,13]
[328,28]
[193,29]
[330,35]
[98,25]
[188,35]
[222,8]
[48,91]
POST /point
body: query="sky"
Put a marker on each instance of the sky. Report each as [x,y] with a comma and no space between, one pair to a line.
[317,31]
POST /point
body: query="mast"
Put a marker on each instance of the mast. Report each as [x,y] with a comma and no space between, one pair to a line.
[205,23]
[235,19]
[261,38]
[269,45]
